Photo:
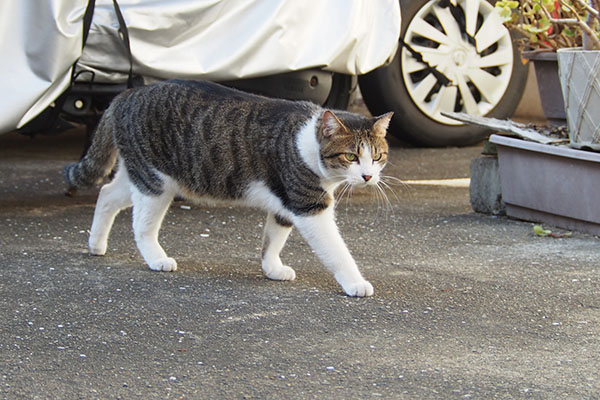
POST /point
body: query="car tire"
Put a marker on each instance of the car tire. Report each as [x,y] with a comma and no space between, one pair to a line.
[491,78]
[341,89]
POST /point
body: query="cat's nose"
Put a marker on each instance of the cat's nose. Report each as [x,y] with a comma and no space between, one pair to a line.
[367,178]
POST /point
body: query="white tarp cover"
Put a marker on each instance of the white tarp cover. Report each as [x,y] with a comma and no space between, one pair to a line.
[190,39]
[39,42]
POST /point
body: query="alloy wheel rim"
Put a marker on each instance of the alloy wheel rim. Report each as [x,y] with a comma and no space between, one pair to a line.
[467,42]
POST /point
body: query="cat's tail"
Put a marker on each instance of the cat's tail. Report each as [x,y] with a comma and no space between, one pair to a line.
[99,160]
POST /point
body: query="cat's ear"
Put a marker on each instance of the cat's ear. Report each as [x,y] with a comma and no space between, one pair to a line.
[382,123]
[332,124]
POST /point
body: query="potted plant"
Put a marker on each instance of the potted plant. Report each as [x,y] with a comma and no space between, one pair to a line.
[547,183]
[549,25]
[567,30]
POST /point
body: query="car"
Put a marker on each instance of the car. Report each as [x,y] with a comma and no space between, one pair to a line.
[418,58]
[67,60]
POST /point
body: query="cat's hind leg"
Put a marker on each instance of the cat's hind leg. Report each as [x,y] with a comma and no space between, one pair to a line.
[148,214]
[114,197]
[276,233]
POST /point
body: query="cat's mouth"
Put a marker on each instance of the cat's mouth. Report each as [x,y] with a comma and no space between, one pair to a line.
[364,181]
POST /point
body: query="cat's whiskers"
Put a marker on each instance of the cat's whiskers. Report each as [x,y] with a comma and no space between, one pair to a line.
[351,192]
[397,181]
[340,191]
[390,218]
[345,192]
[333,182]
[380,190]
[385,185]
[336,178]
[393,181]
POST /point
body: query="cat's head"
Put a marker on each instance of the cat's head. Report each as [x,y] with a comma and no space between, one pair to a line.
[353,147]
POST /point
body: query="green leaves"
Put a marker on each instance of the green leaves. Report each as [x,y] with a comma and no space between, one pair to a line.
[540,231]
[505,13]
[541,27]
[505,9]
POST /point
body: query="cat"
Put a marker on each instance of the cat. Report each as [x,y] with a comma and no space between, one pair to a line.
[198,139]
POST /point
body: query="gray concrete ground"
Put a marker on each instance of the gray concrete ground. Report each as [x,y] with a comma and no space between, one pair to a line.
[466,305]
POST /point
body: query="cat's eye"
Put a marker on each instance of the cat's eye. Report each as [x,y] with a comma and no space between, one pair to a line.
[351,157]
[377,157]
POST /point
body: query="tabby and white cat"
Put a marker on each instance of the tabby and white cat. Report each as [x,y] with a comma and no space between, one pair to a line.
[198,139]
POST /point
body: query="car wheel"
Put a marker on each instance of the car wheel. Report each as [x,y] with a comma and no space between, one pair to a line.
[469,45]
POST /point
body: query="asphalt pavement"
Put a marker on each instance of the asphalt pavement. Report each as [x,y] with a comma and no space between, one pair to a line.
[465,305]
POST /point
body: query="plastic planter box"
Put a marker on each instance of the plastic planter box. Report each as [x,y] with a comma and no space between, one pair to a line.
[554,185]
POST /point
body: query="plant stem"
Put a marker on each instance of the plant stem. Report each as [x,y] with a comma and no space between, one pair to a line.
[591,42]
[589,7]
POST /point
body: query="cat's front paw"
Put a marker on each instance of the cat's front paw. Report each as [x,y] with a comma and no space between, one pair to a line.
[164,264]
[359,289]
[278,272]
[97,249]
